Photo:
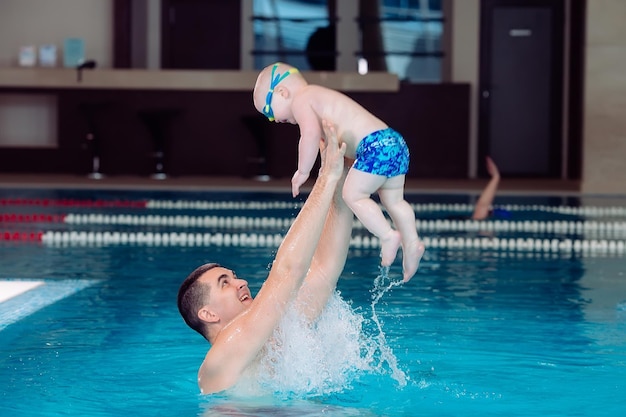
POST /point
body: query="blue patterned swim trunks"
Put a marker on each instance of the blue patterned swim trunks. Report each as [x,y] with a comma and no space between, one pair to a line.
[383,152]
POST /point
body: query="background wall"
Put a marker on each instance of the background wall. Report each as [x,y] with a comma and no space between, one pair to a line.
[604,152]
[465,21]
[43,21]
[37,22]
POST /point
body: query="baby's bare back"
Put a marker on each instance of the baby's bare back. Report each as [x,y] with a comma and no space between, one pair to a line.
[352,121]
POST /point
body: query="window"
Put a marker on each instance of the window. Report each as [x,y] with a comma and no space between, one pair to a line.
[282,29]
[400,36]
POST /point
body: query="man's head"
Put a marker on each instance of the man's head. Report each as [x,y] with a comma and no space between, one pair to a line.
[212,295]
[274,89]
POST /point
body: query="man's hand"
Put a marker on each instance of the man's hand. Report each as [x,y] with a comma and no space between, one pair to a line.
[331,153]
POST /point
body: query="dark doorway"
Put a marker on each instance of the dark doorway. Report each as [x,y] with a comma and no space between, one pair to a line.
[521,86]
[200,34]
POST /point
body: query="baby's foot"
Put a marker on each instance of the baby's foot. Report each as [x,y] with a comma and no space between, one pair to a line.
[411,257]
[389,247]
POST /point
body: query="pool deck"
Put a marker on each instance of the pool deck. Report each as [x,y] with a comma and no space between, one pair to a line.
[10,289]
[507,186]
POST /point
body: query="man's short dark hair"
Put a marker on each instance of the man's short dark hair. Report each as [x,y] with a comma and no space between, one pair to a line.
[192,295]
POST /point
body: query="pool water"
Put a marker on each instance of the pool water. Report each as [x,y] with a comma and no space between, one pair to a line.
[478,331]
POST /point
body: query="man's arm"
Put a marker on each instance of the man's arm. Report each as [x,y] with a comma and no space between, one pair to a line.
[239,342]
[331,253]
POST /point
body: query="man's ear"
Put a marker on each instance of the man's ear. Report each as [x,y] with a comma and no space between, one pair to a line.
[208,316]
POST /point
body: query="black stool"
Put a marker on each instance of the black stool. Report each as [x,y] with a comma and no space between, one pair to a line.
[158,122]
[257,126]
[90,112]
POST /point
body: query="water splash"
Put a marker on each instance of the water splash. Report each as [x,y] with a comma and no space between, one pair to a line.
[324,357]
[311,359]
[383,284]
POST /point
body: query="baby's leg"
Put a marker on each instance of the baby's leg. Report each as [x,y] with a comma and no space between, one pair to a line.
[401,212]
[357,190]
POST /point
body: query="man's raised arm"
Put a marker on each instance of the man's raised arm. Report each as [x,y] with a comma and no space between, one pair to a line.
[332,250]
[240,341]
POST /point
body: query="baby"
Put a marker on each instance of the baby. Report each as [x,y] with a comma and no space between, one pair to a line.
[381,156]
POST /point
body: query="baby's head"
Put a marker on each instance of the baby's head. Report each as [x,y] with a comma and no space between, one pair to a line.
[278,78]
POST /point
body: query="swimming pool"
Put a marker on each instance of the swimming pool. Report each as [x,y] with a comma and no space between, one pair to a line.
[520,316]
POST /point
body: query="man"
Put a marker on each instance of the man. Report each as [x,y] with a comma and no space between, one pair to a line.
[218,304]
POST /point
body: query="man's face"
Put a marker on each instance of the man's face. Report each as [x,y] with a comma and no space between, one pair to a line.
[229,295]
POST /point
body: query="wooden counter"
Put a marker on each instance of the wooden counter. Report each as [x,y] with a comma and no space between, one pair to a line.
[136,79]
[210,126]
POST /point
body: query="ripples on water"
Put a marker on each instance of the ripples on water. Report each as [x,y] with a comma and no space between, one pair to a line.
[473,333]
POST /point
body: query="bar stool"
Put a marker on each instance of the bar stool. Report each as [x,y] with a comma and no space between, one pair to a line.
[257,126]
[158,122]
[91,111]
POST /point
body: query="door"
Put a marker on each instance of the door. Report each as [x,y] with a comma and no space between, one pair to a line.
[200,34]
[521,76]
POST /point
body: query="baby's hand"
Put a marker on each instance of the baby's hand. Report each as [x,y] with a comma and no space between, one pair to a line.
[296,181]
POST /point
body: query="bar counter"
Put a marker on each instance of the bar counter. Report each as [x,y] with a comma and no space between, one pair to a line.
[195,80]
[203,123]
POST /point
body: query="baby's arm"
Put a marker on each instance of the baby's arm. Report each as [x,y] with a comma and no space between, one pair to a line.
[308,148]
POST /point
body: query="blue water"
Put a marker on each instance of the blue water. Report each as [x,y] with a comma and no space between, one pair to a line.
[476,332]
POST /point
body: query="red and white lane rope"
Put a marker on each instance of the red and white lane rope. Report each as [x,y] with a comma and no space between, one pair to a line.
[587,211]
[605,236]
[360,241]
[614,229]
[70,202]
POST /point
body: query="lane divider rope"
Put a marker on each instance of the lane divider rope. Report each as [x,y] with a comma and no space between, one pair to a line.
[31,218]
[426,207]
[22,236]
[70,202]
[274,240]
[439,225]
[590,228]
[589,211]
